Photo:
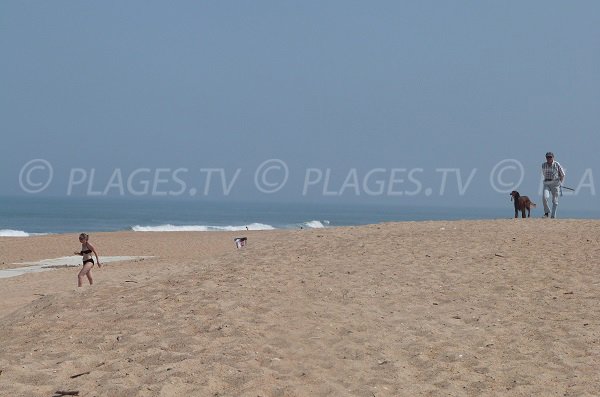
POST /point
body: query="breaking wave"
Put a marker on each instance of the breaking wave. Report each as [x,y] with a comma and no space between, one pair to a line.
[232,228]
[18,233]
[200,228]
[316,224]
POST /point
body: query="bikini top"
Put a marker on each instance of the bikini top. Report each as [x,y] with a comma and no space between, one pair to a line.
[85,252]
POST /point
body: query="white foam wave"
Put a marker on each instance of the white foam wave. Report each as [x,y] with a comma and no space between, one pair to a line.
[200,228]
[169,228]
[13,233]
[252,226]
[316,224]
[18,233]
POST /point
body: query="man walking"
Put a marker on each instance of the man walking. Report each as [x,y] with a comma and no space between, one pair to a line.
[553,178]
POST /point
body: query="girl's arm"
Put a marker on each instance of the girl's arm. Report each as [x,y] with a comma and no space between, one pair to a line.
[90,246]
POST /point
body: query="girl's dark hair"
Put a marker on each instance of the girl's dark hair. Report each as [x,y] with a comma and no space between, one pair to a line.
[84,235]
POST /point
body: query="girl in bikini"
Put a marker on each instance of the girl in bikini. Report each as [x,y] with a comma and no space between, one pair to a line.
[88,262]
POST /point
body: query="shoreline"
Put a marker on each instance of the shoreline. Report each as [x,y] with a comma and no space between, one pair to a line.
[18,250]
[91,215]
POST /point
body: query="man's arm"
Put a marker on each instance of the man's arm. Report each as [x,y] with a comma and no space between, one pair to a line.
[561,173]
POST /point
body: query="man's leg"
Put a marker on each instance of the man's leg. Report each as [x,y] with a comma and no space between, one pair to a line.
[545,197]
[555,193]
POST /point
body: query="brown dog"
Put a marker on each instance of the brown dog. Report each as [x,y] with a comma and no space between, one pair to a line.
[522,203]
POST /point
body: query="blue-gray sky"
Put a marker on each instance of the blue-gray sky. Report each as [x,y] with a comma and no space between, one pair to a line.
[320,85]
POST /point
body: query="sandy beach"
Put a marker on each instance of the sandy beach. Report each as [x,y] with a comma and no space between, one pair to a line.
[461,308]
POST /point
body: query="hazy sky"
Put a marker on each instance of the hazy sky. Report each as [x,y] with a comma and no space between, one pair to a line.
[362,101]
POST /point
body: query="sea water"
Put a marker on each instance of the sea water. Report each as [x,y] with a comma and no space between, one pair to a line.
[34,215]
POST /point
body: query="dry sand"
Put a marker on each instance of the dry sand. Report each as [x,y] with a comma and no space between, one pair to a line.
[467,308]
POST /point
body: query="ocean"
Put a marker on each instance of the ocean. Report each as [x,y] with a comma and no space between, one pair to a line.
[27,216]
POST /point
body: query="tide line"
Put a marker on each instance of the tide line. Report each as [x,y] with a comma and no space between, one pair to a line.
[65,261]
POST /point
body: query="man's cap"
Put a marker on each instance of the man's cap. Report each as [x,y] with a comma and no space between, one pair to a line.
[549,154]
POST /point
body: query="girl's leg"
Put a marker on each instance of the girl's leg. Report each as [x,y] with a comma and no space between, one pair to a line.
[85,271]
